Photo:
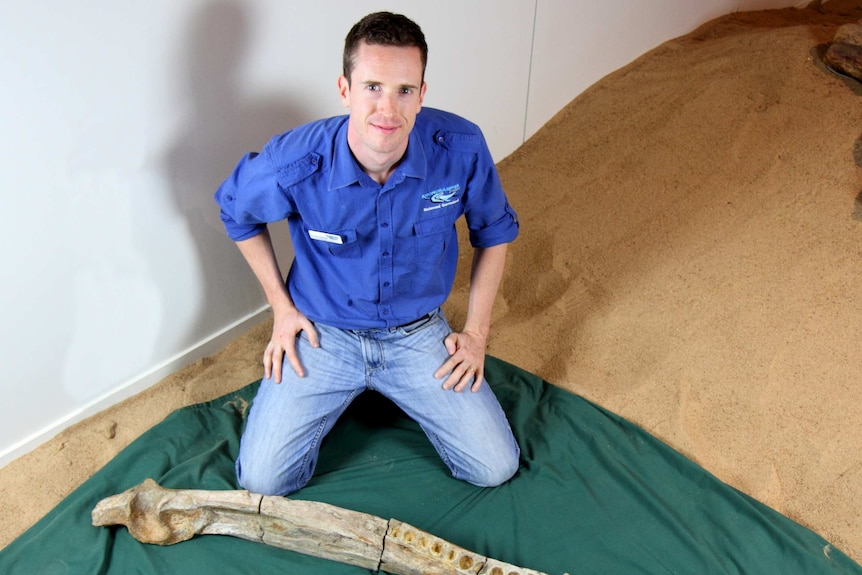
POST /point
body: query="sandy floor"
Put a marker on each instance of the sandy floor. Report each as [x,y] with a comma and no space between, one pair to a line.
[690,259]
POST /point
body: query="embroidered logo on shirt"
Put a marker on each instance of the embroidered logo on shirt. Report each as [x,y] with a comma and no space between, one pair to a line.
[442,197]
[443,194]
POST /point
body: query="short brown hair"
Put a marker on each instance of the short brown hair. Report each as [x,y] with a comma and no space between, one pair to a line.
[387,29]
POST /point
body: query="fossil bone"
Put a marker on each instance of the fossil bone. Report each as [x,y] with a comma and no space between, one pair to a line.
[154,514]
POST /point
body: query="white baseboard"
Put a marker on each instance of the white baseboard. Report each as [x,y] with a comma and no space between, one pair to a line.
[203,348]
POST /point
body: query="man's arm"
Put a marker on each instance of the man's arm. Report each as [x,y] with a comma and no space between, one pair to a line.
[467,348]
[287,320]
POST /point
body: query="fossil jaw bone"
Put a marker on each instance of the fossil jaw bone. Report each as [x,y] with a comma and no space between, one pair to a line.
[161,516]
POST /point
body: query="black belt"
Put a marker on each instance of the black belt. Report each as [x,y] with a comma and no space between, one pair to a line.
[415,322]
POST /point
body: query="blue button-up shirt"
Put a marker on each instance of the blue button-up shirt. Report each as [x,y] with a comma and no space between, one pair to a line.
[369,255]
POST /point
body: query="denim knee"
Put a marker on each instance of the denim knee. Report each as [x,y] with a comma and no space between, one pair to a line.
[266,479]
[493,473]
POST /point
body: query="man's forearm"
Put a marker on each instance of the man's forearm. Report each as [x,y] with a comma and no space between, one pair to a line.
[287,320]
[260,255]
[485,277]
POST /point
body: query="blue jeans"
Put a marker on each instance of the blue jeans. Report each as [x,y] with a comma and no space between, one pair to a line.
[288,421]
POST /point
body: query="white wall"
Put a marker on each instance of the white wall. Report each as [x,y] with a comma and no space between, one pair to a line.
[119,119]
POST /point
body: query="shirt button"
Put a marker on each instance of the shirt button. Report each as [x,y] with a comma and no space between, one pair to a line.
[385,284]
[384,225]
[385,254]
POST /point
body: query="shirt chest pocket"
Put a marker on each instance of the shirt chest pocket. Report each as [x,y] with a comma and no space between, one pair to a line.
[433,237]
[341,243]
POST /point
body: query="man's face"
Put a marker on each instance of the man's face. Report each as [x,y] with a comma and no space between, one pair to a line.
[384,95]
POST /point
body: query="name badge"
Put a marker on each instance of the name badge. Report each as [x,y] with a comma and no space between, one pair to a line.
[325,237]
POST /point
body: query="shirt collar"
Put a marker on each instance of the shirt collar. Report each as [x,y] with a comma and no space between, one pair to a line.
[347,171]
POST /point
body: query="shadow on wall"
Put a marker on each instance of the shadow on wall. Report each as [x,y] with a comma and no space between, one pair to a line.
[223,124]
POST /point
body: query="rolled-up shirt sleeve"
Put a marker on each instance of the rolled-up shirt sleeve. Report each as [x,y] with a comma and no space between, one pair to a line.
[490,218]
[502,231]
[251,197]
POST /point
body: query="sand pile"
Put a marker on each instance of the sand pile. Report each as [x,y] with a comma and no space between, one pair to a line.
[689,258]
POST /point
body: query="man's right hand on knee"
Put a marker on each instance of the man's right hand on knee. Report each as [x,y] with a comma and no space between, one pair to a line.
[287,324]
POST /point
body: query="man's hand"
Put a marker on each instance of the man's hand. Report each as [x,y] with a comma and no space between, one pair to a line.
[287,320]
[286,325]
[466,361]
[466,349]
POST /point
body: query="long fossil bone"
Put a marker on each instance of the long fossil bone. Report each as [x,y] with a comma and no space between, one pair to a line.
[154,514]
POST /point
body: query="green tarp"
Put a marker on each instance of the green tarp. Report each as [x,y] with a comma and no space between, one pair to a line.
[595,495]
